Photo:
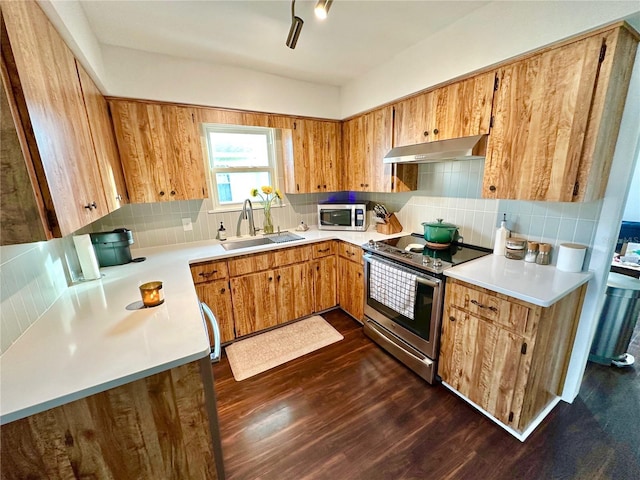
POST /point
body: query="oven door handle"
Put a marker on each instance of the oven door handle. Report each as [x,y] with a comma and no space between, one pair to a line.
[420,277]
[429,282]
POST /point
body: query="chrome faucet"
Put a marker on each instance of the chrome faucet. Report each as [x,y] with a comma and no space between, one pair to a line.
[247,214]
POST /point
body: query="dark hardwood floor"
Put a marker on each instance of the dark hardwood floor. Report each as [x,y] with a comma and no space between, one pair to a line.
[350,411]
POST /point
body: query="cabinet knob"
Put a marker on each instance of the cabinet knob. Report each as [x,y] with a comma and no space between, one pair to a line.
[278,277]
[173,192]
[325,187]
[119,197]
[270,279]
[452,318]
[492,188]
[425,133]
[91,206]
[222,290]
[435,131]
[318,187]
[162,193]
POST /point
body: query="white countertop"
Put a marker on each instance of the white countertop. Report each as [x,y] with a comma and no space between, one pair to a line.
[541,285]
[88,341]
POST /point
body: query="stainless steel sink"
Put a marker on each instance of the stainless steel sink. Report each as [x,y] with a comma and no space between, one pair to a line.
[252,242]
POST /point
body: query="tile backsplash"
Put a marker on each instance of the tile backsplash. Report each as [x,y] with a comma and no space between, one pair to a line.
[32,277]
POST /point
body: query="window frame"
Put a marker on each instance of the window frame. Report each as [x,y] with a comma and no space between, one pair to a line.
[271,168]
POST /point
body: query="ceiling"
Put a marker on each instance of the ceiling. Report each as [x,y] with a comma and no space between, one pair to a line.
[357,36]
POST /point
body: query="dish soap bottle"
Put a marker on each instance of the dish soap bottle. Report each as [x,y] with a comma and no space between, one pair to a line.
[222,233]
[501,237]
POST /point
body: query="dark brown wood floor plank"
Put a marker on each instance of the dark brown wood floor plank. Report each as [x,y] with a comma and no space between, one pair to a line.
[350,411]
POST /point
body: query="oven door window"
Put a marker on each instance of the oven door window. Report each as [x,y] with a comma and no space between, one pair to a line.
[421,322]
[338,217]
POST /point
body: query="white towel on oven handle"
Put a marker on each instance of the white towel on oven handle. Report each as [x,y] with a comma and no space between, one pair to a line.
[393,287]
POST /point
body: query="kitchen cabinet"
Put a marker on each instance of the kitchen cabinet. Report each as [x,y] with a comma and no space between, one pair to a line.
[556,120]
[324,275]
[351,280]
[161,151]
[161,426]
[213,288]
[293,292]
[104,142]
[366,139]
[313,164]
[253,298]
[506,356]
[460,109]
[41,82]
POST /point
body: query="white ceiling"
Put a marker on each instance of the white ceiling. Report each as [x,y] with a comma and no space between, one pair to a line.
[357,36]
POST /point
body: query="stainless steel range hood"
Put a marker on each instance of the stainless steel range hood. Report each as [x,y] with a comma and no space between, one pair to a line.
[465,148]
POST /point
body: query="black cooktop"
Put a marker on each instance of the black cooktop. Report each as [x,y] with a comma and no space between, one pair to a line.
[455,254]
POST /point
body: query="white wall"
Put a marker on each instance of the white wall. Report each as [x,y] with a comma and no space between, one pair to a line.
[137,74]
[632,208]
[495,32]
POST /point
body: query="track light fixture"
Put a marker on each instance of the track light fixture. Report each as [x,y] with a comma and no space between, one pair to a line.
[322,8]
[296,27]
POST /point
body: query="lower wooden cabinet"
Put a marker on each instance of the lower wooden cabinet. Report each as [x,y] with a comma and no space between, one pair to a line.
[253,302]
[293,292]
[507,356]
[351,280]
[324,283]
[217,296]
[161,426]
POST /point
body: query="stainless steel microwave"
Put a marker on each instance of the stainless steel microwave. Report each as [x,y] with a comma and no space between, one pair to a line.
[342,216]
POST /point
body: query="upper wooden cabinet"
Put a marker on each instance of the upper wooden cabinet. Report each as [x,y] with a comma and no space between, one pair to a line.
[366,139]
[557,116]
[460,109]
[161,152]
[312,154]
[104,142]
[50,112]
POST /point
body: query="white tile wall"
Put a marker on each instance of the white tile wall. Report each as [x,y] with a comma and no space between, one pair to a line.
[32,277]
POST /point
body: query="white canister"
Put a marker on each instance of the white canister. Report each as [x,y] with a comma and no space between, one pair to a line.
[571,257]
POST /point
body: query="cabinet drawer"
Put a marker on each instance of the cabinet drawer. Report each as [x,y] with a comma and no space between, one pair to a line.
[352,252]
[207,271]
[486,305]
[291,255]
[250,264]
[323,249]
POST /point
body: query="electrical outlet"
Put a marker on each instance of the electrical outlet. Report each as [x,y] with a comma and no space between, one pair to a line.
[186,224]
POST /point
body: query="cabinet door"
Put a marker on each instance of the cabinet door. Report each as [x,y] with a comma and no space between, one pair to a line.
[412,122]
[104,142]
[160,151]
[351,288]
[540,120]
[48,81]
[324,283]
[253,305]
[294,292]
[218,297]
[366,140]
[483,362]
[460,109]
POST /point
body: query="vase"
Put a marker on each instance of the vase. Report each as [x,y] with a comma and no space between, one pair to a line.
[268,221]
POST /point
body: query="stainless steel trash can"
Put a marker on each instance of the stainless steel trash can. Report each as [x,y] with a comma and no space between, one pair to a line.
[617,320]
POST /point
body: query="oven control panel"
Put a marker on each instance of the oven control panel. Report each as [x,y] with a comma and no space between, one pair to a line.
[413,259]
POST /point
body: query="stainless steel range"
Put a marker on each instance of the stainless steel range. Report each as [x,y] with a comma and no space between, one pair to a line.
[404,287]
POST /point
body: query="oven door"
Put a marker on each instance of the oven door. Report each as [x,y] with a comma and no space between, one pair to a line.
[406,302]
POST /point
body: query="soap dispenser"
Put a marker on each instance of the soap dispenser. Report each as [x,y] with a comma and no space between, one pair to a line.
[501,237]
[222,233]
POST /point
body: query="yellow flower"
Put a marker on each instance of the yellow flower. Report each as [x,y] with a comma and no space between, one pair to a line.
[267,190]
[254,192]
[278,193]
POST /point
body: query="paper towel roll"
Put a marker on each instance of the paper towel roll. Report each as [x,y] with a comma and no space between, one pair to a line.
[87,257]
[571,257]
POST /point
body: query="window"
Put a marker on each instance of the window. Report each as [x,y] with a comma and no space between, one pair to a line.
[240,158]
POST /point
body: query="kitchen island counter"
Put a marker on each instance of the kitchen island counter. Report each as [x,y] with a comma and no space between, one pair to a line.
[541,285]
[96,337]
